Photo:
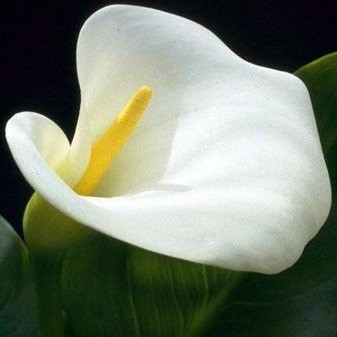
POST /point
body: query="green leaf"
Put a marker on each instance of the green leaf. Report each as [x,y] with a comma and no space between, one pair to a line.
[17,297]
[113,289]
[301,301]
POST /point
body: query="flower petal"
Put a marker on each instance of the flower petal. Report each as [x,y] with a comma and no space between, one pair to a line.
[241,228]
[121,48]
[27,130]
[225,169]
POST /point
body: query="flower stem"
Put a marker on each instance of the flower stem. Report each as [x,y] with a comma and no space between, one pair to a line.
[47,274]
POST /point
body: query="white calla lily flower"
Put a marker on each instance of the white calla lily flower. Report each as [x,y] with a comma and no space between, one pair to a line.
[224,166]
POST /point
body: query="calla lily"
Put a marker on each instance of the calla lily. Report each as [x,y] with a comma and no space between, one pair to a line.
[224,166]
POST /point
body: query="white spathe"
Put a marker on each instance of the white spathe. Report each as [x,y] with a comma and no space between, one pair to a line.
[225,168]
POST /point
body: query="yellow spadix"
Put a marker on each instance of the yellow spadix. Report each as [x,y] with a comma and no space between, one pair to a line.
[113,139]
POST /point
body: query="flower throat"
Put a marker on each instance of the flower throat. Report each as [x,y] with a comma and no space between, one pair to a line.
[113,139]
